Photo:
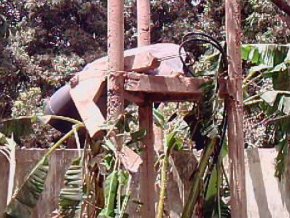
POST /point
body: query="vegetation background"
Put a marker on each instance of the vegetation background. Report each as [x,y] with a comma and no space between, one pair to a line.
[43,43]
[51,40]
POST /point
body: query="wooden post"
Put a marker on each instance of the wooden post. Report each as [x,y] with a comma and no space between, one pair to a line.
[235,110]
[143,22]
[115,105]
[147,175]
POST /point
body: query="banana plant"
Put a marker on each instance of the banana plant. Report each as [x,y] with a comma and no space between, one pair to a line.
[270,64]
[26,196]
[72,195]
[117,174]
[172,140]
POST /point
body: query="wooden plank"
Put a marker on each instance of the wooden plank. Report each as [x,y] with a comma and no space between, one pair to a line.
[235,110]
[164,85]
[160,97]
[138,60]
[84,95]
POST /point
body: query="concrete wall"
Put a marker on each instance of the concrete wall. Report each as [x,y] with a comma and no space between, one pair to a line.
[266,196]
[25,161]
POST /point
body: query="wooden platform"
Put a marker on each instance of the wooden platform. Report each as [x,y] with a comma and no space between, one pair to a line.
[89,93]
[141,87]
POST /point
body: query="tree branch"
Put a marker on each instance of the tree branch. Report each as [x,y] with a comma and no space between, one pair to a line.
[283,6]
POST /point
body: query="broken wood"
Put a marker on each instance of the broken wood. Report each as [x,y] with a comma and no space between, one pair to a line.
[85,95]
[142,61]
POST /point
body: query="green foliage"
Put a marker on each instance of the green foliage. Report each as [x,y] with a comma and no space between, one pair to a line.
[4,30]
[282,158]
[23,126]
[264,23]
[26,197]
[116,200]
[46,46]
[19,127]
[216,193]
[159,119]
[271,62]
[172,140]
[111,188]
[198,179]
[121,134]
[71,196]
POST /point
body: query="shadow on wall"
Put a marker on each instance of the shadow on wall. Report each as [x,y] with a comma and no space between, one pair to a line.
[266,196]
[256,175]
[284,187]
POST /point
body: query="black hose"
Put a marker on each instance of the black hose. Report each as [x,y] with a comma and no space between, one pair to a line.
[200,38]
[203,38]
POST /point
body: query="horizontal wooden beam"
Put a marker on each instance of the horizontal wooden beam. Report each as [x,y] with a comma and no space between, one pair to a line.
[178,85]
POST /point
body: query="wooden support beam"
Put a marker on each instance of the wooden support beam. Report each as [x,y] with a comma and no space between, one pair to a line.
[163,85]
[147,180]
[115,105]
[147,172]
[235,110]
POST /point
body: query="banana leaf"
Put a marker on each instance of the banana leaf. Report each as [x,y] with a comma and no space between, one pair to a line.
[26,197]
[111,188]
[19,127]
[71,196]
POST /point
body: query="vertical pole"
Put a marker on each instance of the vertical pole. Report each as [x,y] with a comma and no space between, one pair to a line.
[235,110]
[115,105]
[147,177]
[143,21]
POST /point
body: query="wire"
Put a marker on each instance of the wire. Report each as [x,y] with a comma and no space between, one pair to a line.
[200,38]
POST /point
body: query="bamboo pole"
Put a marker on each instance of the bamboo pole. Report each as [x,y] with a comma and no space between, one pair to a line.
[115,105]
[235,110]
[147,177]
